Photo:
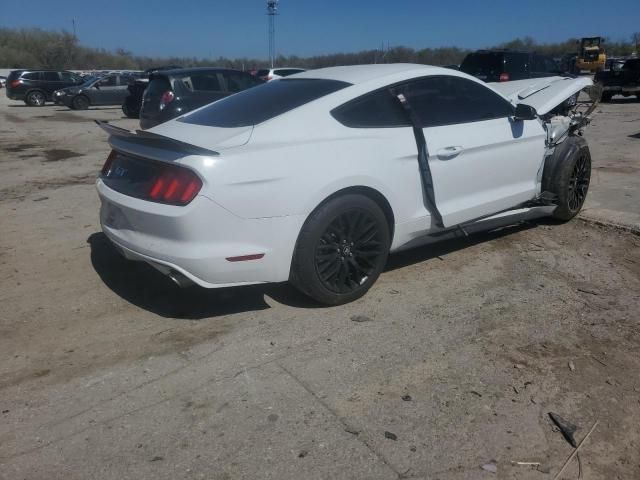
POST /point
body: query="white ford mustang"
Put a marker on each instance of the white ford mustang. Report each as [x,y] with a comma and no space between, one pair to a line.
[317,177]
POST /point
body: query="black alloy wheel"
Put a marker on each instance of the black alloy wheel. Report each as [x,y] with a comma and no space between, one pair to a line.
[349,251]
[579,182]
[341,249]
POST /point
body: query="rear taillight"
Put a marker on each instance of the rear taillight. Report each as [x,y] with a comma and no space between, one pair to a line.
[504,77]
[175,185]
[15,83]
[107,165]
[166,98]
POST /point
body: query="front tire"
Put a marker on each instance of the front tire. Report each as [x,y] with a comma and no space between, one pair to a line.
[80,103]
[572,178]
[341,250]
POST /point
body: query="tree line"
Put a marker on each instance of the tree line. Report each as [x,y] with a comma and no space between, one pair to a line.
[36,48]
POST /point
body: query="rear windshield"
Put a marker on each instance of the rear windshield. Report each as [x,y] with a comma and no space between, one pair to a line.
[263,102]
[158,86]
[262,73]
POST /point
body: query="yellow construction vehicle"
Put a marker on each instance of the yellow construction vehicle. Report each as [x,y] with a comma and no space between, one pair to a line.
[591,55]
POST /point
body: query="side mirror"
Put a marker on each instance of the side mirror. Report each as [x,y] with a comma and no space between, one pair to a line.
[525,112]
[97,86]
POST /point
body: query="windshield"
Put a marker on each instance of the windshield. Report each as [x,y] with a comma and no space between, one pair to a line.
[263,102]
[88,81]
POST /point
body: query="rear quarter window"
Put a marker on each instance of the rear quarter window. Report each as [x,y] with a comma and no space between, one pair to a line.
[374,110]
[261,103]
[31,76]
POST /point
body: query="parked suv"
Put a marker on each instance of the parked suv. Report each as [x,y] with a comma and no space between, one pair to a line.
[175,92]
[35,87]
[106,90]
[507,65]
[625,81]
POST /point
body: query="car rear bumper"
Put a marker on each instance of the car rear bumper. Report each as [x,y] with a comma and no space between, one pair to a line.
[198,240]
[11,95]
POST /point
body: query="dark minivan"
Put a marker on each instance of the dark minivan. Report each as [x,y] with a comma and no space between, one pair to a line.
[172,93]
[35,87]
[507,65]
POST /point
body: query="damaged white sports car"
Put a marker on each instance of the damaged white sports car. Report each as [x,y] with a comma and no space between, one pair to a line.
[317,177]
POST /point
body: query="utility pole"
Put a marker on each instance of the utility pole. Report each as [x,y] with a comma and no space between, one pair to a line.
[73,23]
[272,11]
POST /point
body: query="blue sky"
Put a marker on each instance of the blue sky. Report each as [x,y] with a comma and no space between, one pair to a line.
[236,28]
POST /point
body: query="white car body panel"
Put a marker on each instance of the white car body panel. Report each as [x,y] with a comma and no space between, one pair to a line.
[543,94]
[260,183]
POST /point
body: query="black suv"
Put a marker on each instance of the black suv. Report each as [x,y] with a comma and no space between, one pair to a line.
[507,65]
[172,93]
[624,81]
[35,87]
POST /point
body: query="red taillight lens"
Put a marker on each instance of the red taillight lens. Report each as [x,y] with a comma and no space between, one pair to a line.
[15,83]
[107,165]
[166,99]
[175,185]
[504,77]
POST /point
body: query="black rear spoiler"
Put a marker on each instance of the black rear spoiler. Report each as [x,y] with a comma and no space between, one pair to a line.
[140,137]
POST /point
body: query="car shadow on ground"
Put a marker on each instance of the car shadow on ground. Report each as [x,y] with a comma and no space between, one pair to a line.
[145,287]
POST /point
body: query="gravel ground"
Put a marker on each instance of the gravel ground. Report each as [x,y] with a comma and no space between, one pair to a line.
[451,363]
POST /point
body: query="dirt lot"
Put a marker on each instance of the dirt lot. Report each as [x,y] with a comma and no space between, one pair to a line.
[449,364]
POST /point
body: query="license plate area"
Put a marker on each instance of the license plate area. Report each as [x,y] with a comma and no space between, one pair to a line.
[132,176]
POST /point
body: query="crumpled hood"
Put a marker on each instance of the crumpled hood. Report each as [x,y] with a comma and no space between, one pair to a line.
[543,94]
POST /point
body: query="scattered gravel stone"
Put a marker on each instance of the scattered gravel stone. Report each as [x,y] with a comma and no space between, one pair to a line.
[390,436]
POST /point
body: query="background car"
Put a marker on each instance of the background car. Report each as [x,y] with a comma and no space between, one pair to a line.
[133,101]
[174,92]
[508,65]
[268,74]
[623,81]
[107,90]
[3,81]
[35,87]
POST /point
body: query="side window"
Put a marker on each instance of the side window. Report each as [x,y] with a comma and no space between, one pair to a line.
[69,77]
[126,80]
[109,81]
[31,76]
[378,109]
[237,82]
[203,81]
[447,100]
[51,76]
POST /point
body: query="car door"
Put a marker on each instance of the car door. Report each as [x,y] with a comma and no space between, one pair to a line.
[52,82]
[482,161]
[105,91]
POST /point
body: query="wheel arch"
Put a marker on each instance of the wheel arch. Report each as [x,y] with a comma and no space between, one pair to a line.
[369,192]
[562,153]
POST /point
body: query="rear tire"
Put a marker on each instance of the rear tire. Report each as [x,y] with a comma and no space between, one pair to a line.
[35,98]
[80,103]
[127,111]
[341,250]
[571,178]
[606,97]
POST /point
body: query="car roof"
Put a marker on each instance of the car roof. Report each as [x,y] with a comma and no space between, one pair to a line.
[359,74]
